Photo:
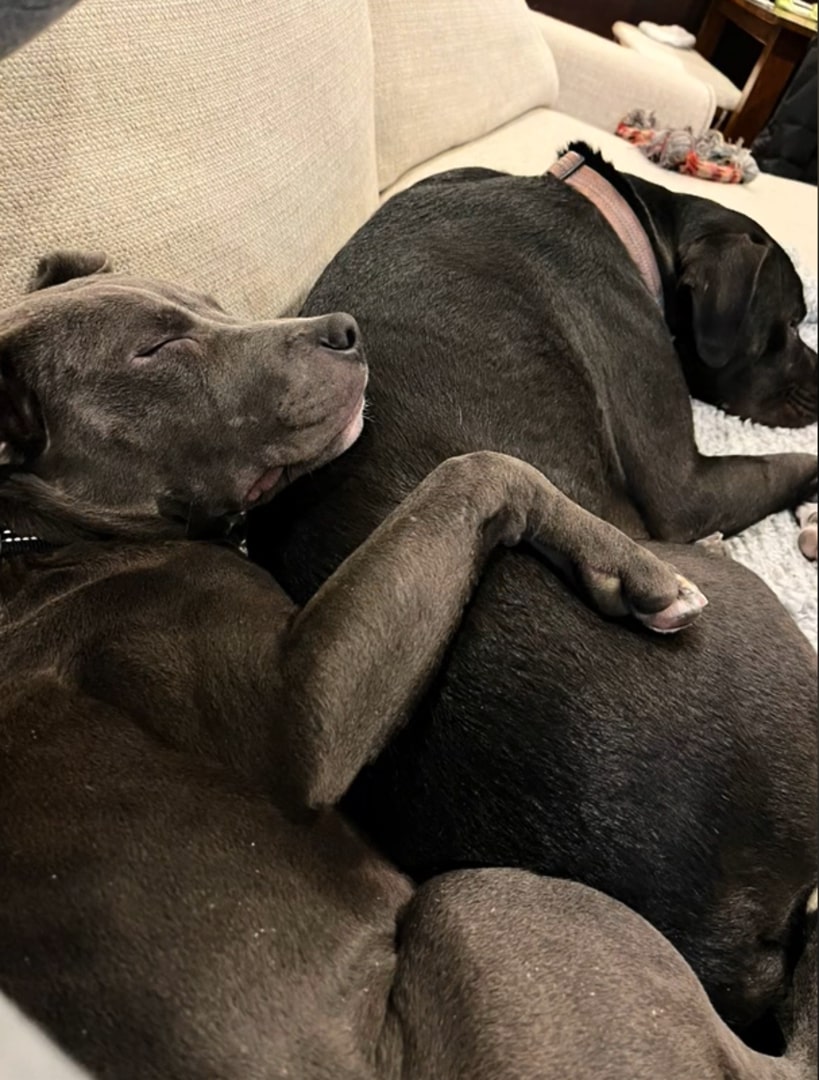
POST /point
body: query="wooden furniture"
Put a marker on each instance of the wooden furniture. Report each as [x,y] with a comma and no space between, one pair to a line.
[784,38]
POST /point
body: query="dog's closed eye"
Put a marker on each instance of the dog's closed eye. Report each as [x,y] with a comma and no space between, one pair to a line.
[154,352]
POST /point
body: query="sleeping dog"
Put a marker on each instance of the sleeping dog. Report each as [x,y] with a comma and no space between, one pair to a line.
[178,895]
[507,312]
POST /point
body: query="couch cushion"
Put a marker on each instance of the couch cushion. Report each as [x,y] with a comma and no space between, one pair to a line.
[228,145]
[727,95]
[447,73]
[27,1053]
[529,144]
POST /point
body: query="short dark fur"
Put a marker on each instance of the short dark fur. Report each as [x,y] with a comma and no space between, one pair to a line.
[503,312]
[178,897]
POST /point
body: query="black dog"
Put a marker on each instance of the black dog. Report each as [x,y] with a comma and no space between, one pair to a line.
[503,312]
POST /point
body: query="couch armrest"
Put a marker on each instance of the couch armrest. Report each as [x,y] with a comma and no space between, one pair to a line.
[601,81]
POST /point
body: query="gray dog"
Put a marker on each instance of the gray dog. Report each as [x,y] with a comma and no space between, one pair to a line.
[178,895]
[505,313]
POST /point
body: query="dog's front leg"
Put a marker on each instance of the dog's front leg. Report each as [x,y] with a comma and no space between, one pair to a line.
[357,657]
[725,494]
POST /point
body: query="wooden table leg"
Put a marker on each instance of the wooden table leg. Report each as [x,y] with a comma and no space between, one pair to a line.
[711,29]
[780,57]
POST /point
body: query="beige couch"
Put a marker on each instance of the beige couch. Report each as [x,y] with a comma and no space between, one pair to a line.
[236,144]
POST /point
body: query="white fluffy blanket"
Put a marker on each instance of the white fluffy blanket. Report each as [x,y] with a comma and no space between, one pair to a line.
[770,547]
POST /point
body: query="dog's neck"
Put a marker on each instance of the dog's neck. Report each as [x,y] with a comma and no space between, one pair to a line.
[31,508]
[28,530]
[582,171]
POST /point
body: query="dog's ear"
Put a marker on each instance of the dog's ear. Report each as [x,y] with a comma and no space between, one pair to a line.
[60,266]
[722,273]
[22,431]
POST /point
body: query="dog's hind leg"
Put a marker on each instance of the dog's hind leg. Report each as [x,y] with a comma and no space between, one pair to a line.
[555,980]
[798,1015]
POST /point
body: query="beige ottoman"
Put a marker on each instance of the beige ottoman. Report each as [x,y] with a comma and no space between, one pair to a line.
[727,95]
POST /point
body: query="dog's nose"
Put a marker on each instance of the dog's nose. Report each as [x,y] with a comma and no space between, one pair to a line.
[339,333]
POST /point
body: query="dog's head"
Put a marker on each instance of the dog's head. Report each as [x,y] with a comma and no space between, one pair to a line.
[740,305]
[132,407]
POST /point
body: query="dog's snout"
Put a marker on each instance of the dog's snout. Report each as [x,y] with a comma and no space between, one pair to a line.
[339,332]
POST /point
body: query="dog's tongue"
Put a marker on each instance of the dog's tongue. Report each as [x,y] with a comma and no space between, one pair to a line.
[264,484]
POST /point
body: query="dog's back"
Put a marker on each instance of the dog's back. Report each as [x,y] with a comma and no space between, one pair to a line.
[454,283]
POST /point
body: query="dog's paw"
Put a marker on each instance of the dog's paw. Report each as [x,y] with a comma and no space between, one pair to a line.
[607,592]
[679,613]
[713,545]
[806,516]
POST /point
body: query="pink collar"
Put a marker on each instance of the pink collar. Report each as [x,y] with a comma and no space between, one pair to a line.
[572,168]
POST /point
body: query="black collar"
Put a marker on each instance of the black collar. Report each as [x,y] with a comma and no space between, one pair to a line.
[11,544]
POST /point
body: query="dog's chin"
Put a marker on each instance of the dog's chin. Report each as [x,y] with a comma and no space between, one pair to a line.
[337,445]
[349,434]
[274,480]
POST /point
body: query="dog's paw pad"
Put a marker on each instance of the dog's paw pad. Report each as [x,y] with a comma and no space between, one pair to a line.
[679,613]
[808,540]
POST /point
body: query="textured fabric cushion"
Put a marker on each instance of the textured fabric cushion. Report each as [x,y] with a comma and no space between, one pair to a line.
[600,82]
[26,1053]
[227,144]
[529,144]
[446,73]
[727,94]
